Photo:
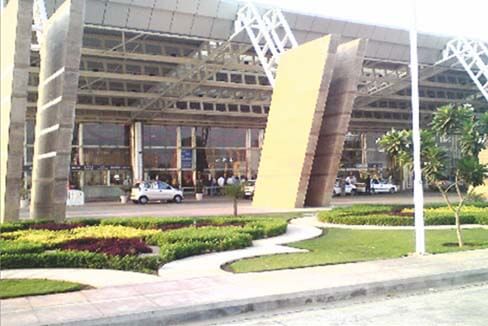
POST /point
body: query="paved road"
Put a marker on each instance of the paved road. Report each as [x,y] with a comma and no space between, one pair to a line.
[218,206]
[464,306]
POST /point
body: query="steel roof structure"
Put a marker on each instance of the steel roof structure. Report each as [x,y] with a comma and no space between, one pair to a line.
[170,62]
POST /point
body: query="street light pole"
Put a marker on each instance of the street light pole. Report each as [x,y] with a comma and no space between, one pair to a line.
[418,195]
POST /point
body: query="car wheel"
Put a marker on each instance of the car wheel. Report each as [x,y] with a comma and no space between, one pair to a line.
[353,192]
[135,201]
[143,200]
[392,190]
[177,199]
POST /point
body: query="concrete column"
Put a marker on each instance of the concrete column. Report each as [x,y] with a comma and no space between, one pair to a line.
[16,28]
[194,154]
[248,153]
[364,149]
[81,154]
[136,151]
[178,154]
[60,52]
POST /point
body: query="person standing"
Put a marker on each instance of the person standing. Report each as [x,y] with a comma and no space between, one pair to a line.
[368,185]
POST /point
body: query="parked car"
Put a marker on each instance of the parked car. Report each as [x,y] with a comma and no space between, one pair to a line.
[349,189]
[249,187]
[144,192]
[378,186]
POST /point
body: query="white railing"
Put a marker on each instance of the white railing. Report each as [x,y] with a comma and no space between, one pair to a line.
[40,19]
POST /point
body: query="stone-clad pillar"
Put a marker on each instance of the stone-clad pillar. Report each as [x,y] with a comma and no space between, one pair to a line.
[137,151]
[335,123]
[58,83]
[16,29]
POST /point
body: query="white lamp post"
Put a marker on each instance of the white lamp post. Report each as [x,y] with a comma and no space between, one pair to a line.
[418,195]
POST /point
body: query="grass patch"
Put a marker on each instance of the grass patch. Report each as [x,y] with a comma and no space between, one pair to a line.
[14,288]
[338,246]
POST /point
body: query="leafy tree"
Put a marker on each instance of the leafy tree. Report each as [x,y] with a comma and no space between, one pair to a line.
[454,123]
[234,191]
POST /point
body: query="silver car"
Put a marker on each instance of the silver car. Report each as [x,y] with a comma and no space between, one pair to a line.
[144,192]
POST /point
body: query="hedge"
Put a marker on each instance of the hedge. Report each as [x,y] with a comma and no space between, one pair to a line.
[18,247]
[387,215]
[81,259]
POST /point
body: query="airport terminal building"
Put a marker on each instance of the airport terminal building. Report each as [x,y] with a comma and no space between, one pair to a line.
[139,117]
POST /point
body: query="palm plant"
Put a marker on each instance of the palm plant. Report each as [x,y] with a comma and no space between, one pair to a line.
[448,121]
[234,191]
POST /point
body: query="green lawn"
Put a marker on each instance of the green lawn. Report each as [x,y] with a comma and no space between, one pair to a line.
[343,245]
[13,288]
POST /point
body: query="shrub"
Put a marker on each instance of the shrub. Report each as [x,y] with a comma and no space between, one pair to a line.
[434,215]
[109,246]
[55,226]
[191,241]
[53,238]
[16,247]
[82,259]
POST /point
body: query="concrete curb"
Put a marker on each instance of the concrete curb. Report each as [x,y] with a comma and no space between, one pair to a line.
[267,303]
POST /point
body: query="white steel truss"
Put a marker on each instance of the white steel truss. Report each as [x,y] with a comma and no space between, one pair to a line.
[40,19]
[270,35]
[473,56]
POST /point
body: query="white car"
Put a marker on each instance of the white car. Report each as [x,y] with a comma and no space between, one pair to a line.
[349,189]
[378,186]
[249,187]
[147,191]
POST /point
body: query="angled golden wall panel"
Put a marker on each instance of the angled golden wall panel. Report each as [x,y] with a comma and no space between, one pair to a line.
[294,121]
[335,123]
[483,190]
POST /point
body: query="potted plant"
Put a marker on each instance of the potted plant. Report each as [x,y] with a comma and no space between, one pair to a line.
[199,190]
[24,197]
[126,194]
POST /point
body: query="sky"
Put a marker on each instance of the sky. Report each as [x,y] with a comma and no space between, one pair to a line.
[466,18]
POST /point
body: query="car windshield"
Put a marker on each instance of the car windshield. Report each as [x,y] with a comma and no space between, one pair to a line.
[250,183]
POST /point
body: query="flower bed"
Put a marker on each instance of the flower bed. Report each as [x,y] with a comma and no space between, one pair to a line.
[116,243]
[109,246]
[395,215]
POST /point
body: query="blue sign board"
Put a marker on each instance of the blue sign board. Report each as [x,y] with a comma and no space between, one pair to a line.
[186,158]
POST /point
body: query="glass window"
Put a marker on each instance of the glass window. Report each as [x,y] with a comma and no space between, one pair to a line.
[255,139]
[159,135]
[160,158]
[186,136]
[105,134]
[187,178]
[30,155]
[30,131]
[170,177]
[212,158]
[106,156]
[221,137]
[93,178]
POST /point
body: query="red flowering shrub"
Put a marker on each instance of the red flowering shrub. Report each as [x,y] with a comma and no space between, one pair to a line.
[109,246]
[55,226]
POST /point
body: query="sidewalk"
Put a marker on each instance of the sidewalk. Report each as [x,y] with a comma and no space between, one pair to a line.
[176,301]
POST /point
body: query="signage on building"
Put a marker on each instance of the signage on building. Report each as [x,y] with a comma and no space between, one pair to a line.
[186,158]
[97,167]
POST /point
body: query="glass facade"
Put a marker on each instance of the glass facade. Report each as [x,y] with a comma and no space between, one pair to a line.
[180,154]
